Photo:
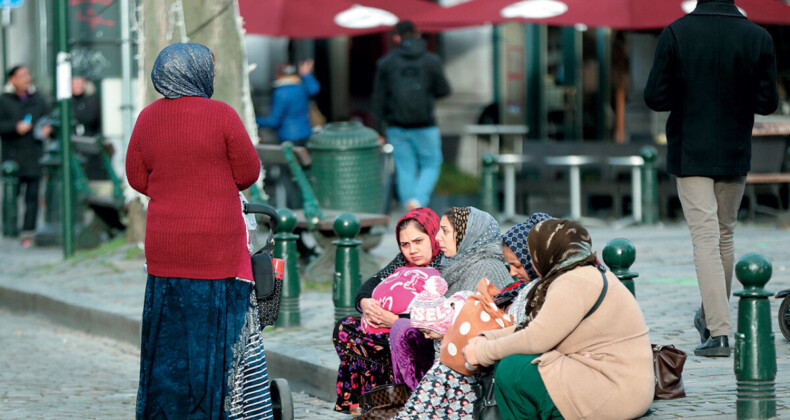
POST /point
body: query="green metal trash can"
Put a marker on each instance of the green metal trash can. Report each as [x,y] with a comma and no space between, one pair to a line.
[346,168]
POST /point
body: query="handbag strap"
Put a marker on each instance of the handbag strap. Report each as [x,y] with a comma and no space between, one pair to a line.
[601,296]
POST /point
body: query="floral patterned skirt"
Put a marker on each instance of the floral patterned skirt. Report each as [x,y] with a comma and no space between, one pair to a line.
[365,362]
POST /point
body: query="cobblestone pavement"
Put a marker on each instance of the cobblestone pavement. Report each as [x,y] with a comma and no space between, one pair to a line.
[51,372]
[113,281]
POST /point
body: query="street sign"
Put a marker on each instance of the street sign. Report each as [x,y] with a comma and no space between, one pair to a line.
[11,3]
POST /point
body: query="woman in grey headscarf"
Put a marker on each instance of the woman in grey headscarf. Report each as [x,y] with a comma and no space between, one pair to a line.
[472,247]
[201,354]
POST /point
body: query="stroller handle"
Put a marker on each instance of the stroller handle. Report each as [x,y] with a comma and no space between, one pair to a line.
[271,213]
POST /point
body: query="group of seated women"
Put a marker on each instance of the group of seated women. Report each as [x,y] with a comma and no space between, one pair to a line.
[578,347]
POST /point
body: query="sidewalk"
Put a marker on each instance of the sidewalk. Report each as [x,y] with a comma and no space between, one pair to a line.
[101,292]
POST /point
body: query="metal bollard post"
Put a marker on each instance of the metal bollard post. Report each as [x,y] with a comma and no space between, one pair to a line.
[619,254]
[488,190]
[755,354]
[649,186]
[347,279]
[10,172]
[285,249]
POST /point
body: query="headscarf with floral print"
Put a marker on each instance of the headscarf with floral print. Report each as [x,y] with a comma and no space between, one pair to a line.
[557,246]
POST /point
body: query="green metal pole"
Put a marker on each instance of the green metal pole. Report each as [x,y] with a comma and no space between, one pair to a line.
[285,249]
[495,45]
[572,62]
[6,21]
[649,186]
[619,254]
[535,45]
[603,98]
[10,170]
[63,87]
[488,190]
[755,352]
[347,278]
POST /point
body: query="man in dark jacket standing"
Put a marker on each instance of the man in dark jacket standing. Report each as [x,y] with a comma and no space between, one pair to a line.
[713,70]
[407,82]
[20,109]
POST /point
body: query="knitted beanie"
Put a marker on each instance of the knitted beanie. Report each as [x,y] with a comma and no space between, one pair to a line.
[430,309]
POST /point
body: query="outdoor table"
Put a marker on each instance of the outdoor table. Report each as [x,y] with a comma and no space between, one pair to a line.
[574,162]
[636,163]
[495,131]
[508,163]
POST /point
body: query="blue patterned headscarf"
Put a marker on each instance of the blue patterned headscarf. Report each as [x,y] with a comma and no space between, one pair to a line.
[184,70]
[516,239]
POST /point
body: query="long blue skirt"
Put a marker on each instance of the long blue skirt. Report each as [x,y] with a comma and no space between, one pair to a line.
[201,354]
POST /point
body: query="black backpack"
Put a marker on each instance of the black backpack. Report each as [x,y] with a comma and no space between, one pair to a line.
[411,97]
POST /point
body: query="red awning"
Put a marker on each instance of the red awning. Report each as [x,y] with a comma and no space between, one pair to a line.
[327,18]
[618,14]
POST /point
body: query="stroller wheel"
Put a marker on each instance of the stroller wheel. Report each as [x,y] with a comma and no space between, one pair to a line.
[282,401]
[784,317]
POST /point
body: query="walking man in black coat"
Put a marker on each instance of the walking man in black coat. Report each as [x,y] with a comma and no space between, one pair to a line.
[20,109]
[713,70]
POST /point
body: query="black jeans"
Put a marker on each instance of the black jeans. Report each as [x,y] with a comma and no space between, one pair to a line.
[31,202]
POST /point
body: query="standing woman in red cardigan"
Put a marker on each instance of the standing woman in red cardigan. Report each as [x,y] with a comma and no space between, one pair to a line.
[201,353]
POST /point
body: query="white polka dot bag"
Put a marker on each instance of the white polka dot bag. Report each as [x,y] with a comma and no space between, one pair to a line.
[479,314]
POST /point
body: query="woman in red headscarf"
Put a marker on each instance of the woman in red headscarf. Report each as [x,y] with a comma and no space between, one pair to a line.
[365,359]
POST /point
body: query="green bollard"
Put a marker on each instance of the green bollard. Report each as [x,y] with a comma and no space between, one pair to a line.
[619,254]
[285,249]
[347,278]
[755,354]
[488,190]
[10,196]
[649,186]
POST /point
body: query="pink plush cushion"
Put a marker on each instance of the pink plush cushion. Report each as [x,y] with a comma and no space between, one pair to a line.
[396,292]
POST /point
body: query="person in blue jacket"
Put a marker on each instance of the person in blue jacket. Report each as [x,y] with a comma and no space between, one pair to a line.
[290,118]
[291,103]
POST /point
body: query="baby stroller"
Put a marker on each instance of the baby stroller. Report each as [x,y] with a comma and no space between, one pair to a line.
[784,313]
[268,289]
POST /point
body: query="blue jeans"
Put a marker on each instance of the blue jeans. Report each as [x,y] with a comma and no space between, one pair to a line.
[418,158]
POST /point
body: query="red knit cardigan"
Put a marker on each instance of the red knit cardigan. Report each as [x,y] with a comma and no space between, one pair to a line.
[192,156]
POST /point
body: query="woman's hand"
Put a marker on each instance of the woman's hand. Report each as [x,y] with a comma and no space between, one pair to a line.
[469,353]
[388,318]
[375,315]
[474,340]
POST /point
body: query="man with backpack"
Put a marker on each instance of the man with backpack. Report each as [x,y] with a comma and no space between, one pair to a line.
[407,82]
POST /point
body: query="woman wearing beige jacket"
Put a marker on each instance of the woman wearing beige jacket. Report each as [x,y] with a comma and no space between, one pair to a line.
[562,362]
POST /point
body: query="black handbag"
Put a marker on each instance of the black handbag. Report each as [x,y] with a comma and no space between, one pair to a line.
[268,287]
[485,407]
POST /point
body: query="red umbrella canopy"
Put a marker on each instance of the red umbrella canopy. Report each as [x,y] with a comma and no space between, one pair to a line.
[619,14]
[549,12]
[326,18]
